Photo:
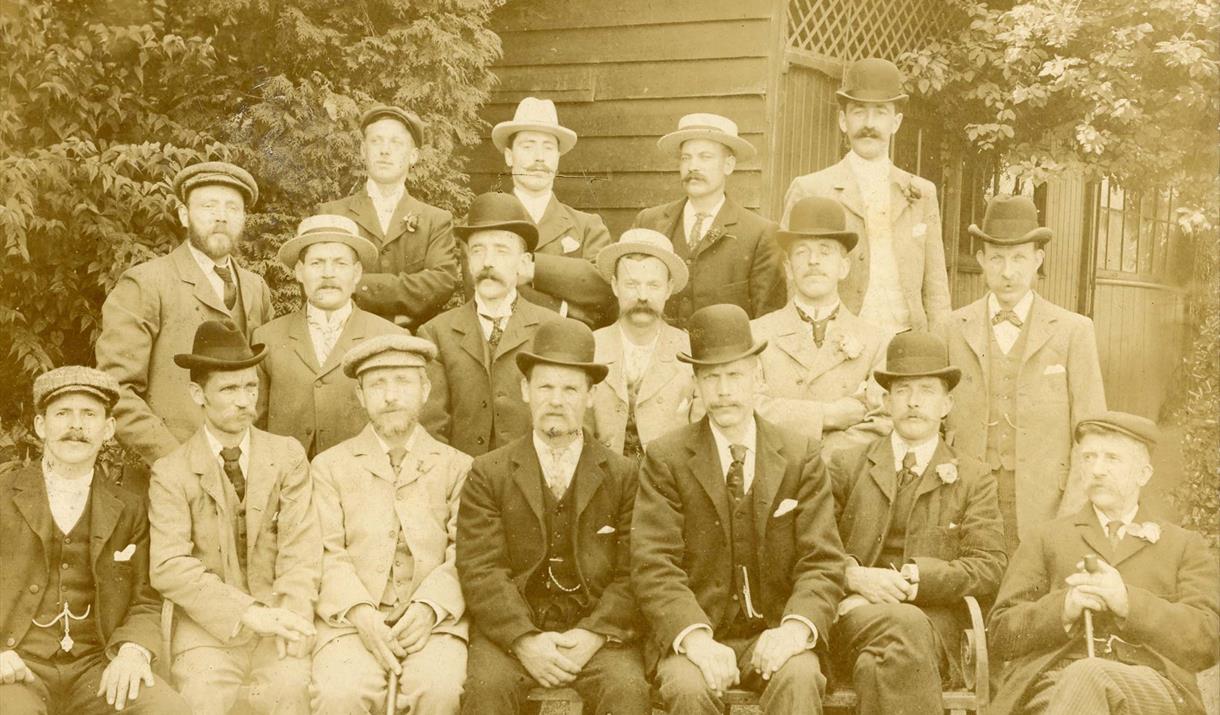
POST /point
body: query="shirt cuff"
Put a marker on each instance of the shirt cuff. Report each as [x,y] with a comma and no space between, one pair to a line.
[137,648]
[437,611]
[687,631]
[813,630]
[341,618]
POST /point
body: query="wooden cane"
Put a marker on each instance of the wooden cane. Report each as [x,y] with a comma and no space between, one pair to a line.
[1090,565]
[391,697]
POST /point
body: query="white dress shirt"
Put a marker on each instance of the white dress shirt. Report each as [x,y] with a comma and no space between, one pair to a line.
[689,215]
[1126,520]
[558,467]
[1006,333]
[923,451]
[504,311]
[636,358]
[68,497]
[208,266]
[535,206]
[816,313]
[383,204]
[325,328]
[243,461]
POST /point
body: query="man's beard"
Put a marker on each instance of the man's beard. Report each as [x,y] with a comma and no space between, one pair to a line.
[215,245]
[557,431]
[396,424]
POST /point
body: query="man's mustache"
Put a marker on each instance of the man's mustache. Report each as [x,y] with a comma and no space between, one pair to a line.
[489,274]
[643,308]
[693,176]
[75,436]
[866,133]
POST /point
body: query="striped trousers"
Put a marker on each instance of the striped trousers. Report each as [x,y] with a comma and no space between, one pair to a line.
[1097,685]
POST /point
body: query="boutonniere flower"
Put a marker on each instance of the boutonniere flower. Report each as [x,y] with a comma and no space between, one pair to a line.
[947,472]
[850,346]
[1148,531]
[713,235]
[410,221]
[912,193]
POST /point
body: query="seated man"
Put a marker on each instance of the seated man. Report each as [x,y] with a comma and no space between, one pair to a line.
[542,553]
[78,616]
[235,543]
[387,500]
[1151,604]
[923,527]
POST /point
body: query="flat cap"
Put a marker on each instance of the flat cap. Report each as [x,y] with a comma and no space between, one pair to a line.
[215,172]
[1140,429]
[395,350]
[414,124]
[75,378]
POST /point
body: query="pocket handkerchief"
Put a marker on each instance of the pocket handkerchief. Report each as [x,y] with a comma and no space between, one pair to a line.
[785,506]
[1054,369]
[569,244]
[607,529]
[125,554]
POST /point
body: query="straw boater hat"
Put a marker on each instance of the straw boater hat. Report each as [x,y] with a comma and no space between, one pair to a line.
[1011,221]
[917,353]
[720,334]
[707,126]
[817,217]
[209,173]
[565,342]
[414,124]
[872,80]
[495,210]
[220,345]
[75,378]
[533,115]
[327,228]
[393,350]
[648,242]
[1140,429]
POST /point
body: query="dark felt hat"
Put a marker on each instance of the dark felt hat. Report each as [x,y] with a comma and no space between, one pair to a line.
[720,334]
[565,342]
[917,353]
[414,124]
[209,173]
[1011,221]
[872,79]
[495,210]
[220,345]
[1138,428]
[817,217]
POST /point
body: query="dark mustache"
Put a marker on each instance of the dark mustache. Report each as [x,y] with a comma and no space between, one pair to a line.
[75,436]
[867,133]
[489,274]
[642,307]
[693,175]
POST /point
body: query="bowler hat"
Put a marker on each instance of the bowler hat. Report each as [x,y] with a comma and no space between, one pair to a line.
[392,350]
[414,124]
[648,242]
[220,345]
[1138,428]
[712,127]
[1011,221]
[917,353]
[495,210]
[872,80]
[75,378]
[208,173]
[566,342]
[720,334]
[326,228]
[533,115]
[817,217]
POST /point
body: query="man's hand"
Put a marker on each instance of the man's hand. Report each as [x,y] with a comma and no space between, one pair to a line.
[121,679]
[1106,586]
[377,636]
[1075,603]
[878,585]
[525,270]
[776,645]
[716,661]
[586,644]
[266,621]
[13,669]
[300,648]
[540,654]
[842,414]
[412,630]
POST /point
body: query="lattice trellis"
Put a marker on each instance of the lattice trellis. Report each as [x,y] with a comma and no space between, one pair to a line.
[850,29]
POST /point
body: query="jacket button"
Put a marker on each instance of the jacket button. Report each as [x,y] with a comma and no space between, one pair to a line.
[483,403]
[479,439]
[33,588]
[64,566]
[10,642]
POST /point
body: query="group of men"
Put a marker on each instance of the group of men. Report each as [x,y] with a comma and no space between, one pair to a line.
[719,452]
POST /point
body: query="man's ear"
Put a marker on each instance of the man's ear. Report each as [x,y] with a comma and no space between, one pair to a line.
[196,392]
[183,215]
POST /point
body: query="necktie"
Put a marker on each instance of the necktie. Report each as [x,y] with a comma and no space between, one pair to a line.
[397,454]
[1006,316]
[554,475]
[497,331]
[696,231]
[328,332]
[907,473]
[1112,528]
[737,472]
[226,276]
[818,326]
[232,467]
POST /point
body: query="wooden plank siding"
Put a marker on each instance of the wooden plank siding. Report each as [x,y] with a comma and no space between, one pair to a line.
[1141,333]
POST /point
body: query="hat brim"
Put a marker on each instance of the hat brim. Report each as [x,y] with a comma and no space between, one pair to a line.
[722,359]
[191,361]
[1040,236]
[107,397]
[843,96]
[502,134]
[847,239]
[672,143]
[596,371]
[525,229]
[293,248]
[184,187]
[607,261]
[1146,440]
[951,375]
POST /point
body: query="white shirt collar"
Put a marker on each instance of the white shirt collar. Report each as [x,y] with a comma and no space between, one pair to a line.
[314,314]
[216,446]
[750,442]
[206,263]
[66,486]
[408,445]
[1021,308]
[689,213]
[1126,519]
[67,498]
[567,453]
[535,205]
[504,311]
[923,451]
[812,312]
[878,168]
[374,192]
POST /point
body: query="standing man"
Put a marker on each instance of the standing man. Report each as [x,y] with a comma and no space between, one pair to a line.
[152,313]
[304,393]
[898,279]
[647,392]
[561,275]
[543,548]
[389,604]
[475,403]
[736,560]
[729,251]
[1029,371]
[235,542]
[820,357]
[78,618]
[922,530]
[1152,600]
[417,268]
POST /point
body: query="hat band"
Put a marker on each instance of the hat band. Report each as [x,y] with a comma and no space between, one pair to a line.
[918,366]
[707,128]
[1009,228]
[226,353]
[563,358]
[721,352]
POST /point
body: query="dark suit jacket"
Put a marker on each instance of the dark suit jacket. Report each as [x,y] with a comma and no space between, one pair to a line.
[314,403]
[681,555]
[126,606]
[472,407]
[737,261]
[1173,587]
[417,270]
[502,539]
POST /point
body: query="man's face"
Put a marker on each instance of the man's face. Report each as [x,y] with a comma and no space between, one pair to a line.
[558,398]
[816,265]
[73,428]
[1115,468]
[727,391]
[1010,270]
[328,273]
[214,217]
[641,283]
[534,160]
[389,151]
[393,398]
[917,406]
[494,259]
[704,165]
[869,126]
[228,399]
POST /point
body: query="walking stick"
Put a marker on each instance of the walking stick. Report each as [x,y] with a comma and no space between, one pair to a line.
[391,696]
[1090,565]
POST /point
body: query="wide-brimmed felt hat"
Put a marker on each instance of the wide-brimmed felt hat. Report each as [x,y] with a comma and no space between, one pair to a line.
[1011,221]
[392,350]
[72,379]
[917,353]
[220,345]
[328,228]
[496,210]
[817,217]
[533,115]
[413,123]
[565,342]
[872,80]
[209,173]
[720,334]
[648,242]
[712,127]
[1140,429]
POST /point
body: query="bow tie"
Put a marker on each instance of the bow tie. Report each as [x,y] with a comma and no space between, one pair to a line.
[1006,315]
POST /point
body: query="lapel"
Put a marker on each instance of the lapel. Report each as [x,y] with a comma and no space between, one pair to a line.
[795,338]
[704,463]
[976,331]
[190,273]
[1131,545]
[847,189]
[663,366]
[882,468]
[398,224]
[587,479]
[671,219]
[204,465]
[245,288]
[354,331]
[527,473]
[107,508]
[260,478]
[466,324]
[612,356]
[367,450]
[360,209]
[900,184]
[419,460]
[721,228]
[930,480]
[1090,531]
[769,470]
[1042,321]
[555,223]
[31,500]
[521,327]
[829,356]
[302,343]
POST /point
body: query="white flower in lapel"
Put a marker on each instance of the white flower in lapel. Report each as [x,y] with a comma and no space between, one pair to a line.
[912,193]
[1148,531]
[850,346]
[947,471]
[410,221]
